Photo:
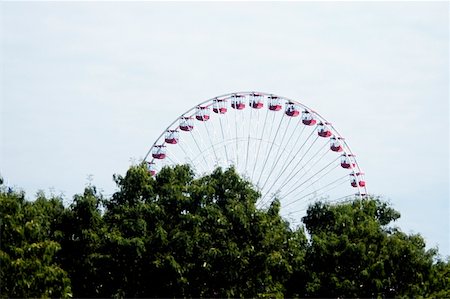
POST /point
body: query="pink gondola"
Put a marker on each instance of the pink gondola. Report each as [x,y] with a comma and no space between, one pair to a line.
[151,168]
[219,106]
[202,113]
[186,124]
[172,136]
[335,144]
[357,180]
[308,118]
[292,109]
[256,101]
[237,102]
[159,152]
[323,130]
[347,161]
[274,103]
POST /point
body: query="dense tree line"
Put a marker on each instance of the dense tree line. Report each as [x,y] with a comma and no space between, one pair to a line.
[180,236]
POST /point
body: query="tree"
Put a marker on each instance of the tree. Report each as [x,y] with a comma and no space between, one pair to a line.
[28,247]
[82,230]
[180,236]
[438,285]
[177,235]
[354,253]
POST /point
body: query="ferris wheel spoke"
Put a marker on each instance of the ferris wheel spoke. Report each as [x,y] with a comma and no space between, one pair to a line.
[266,148]
[306,163]
[203,142]
[172,161]
[186,155]
[207,151]
[310,159]
[237,143]
[270,149]
[277,155]
[302,176]
[259,146]
[256,130]
[333,185]
[223,137]
[191,150]
[199,149]
[289,140]
[338,182]
[230,133]
[290,176]
[248,138]
[184,141]
[200,136]
[241,114]
[211,141]
[225,129]
[304,182]
[318,196]
[317,160]
[204,165]
[342,198]
[283,168]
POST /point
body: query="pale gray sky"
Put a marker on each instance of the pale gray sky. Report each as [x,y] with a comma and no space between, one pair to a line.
[87,86]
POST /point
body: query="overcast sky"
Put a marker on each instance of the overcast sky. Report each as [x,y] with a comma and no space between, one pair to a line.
[87,87]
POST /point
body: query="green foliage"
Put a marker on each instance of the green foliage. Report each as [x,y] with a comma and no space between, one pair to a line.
[176,235]
[195,237]
[439,284]
[353,253]
[29,246]
[82,227]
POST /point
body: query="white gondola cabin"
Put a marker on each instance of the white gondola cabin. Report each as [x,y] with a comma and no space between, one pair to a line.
[159,152]
[256,101]
[323,130]
[238,102]
[202,113]
[172,136]
[292,109]
[274,103]
[186,124]
[347,161]
[308,118]
[151,168]
[219,106]
[357,180]
[335,144]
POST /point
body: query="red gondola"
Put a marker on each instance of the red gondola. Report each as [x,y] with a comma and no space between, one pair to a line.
[308,118]
[274,103]
[256,101]
[159,152]
[347,161]
[323,130]
[335,144]
[292,109]
[362,182]
[357,180]
[219,106]
[202,113]
[237,102]
[186,124]
[172,136]
[151,168]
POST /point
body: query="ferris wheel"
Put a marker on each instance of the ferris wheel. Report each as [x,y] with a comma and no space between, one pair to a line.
[287,150]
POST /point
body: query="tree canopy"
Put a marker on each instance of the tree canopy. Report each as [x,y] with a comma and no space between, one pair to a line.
[175,235]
